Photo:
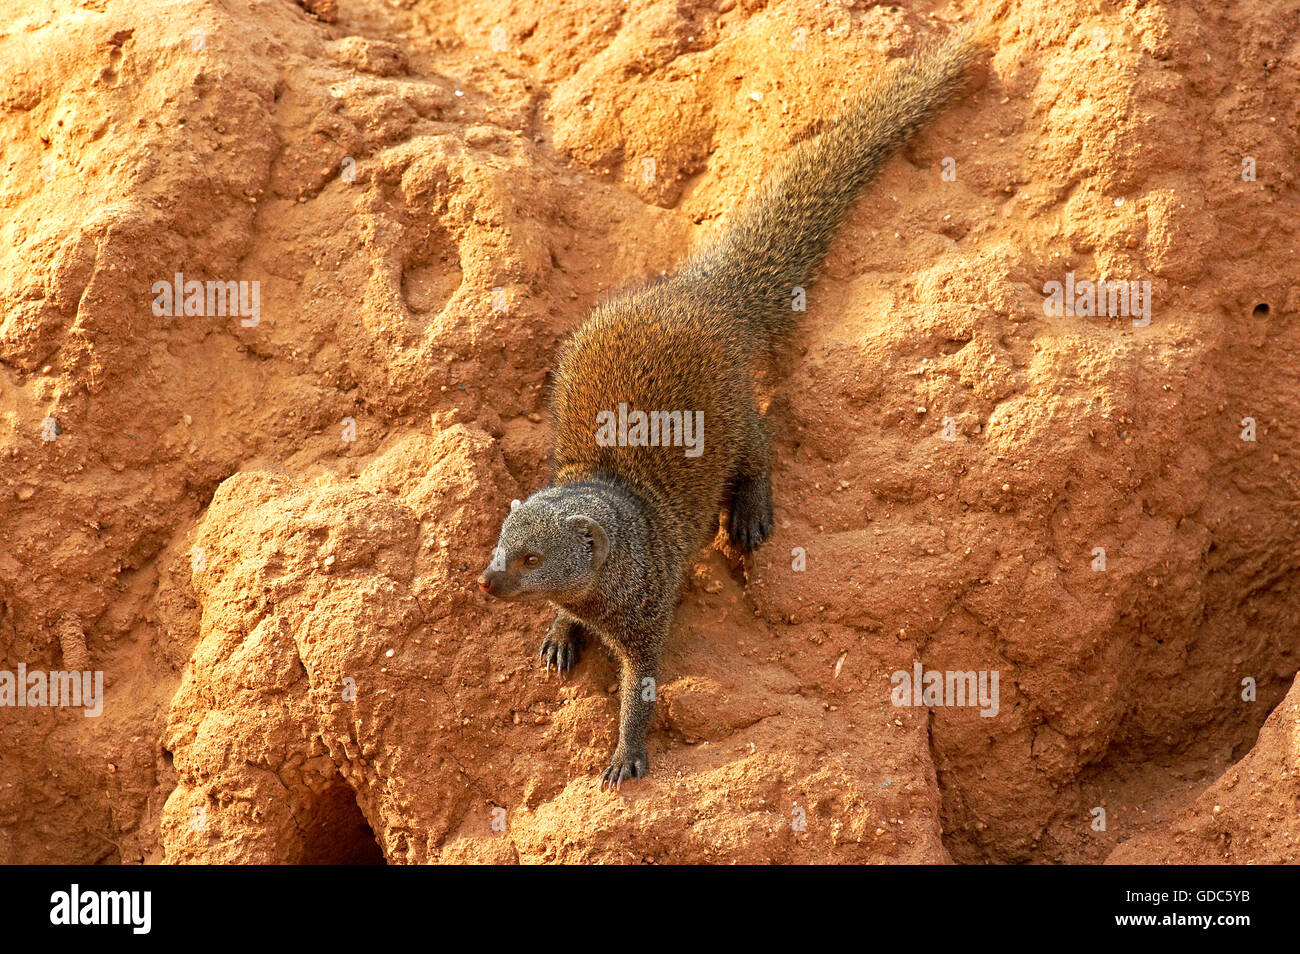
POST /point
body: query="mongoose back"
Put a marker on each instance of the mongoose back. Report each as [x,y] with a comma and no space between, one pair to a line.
[656,428]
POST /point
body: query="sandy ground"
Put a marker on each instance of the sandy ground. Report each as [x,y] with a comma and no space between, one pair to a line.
[266,526]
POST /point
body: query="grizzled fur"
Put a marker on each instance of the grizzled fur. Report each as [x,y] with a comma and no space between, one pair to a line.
[608,543]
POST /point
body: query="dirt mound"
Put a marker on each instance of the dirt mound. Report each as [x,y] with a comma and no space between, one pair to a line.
[333,654]
[266,517]
[1251,815]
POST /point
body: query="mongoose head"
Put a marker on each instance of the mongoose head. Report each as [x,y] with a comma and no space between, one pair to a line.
[548,548]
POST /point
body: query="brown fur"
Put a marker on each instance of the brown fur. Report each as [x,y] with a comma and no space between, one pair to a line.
[657,349]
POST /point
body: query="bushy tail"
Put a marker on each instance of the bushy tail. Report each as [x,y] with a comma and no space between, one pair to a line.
[771,247]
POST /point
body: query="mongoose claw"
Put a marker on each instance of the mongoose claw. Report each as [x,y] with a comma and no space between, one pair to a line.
[559,653]
[624,767]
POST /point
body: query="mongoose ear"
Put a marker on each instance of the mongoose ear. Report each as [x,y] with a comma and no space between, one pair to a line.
[515,505]
[597,539]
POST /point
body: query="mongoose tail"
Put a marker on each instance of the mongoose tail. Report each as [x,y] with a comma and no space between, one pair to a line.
[773,244]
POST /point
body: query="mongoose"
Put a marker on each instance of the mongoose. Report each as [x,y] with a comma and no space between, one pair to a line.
[610,539]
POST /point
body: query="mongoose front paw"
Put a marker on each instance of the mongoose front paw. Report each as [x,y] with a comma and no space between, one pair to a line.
[624,766]
[560,649]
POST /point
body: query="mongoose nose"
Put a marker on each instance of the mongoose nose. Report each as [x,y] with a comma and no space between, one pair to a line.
[485,583]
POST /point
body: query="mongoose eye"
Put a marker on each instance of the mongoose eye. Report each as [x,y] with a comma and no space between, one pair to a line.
[531,560]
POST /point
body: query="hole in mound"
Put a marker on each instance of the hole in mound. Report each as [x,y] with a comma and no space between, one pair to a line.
[338,834]
[1261,310]
[431,274]
[427,288]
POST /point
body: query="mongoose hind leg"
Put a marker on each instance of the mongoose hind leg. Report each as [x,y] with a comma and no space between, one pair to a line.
[563,643]
[749,522]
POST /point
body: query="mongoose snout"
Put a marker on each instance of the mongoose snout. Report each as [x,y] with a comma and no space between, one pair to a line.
[549,545]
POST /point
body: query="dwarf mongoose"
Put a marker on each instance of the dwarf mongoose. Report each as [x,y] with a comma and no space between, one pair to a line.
[656,428]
